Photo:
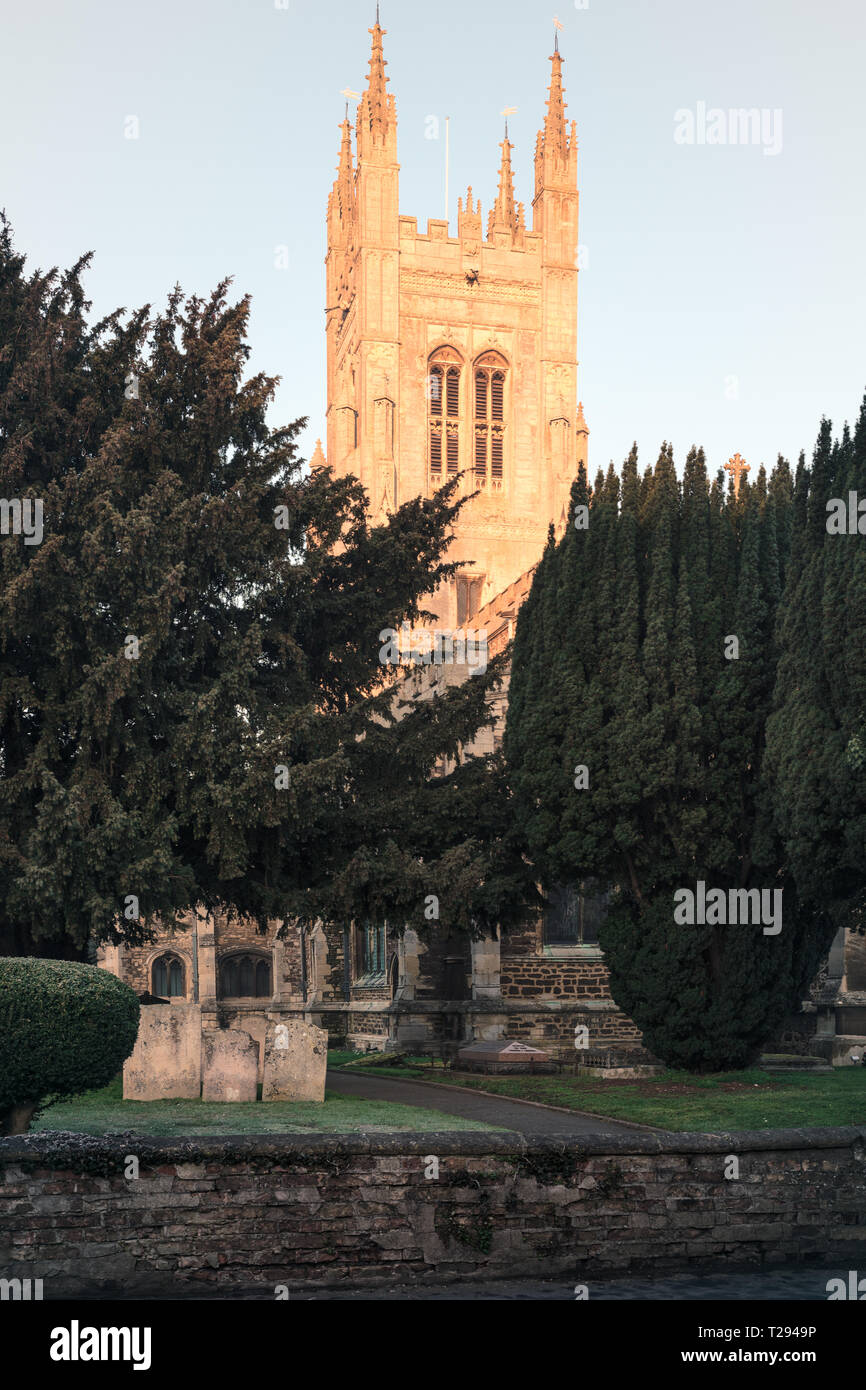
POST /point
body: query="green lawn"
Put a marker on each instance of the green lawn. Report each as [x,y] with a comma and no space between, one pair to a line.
[105,1111]
[676,1100]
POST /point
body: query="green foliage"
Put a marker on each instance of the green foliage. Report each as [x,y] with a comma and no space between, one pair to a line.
[65,1028]
[620,666]
[154,776]
[816,736]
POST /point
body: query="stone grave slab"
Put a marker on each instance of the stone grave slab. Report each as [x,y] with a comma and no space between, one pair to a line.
[296,1059]
[165,1063]
[503,1055]
[229,1065]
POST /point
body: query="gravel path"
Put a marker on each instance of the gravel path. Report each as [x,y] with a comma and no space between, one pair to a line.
[489,1110]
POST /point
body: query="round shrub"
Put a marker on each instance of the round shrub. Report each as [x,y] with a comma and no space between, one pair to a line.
[64,1028]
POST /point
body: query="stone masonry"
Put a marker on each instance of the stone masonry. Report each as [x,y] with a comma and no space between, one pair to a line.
[256,1213]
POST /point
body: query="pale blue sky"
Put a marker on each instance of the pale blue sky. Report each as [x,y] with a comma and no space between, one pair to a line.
[705,263]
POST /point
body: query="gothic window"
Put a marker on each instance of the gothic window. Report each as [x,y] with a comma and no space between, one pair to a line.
[490,373]
[370,953]
[574,913]
[444,414]
[167,977]
[246,976]
[469,589]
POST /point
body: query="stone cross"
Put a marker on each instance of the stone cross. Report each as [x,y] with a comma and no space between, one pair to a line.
[737,467]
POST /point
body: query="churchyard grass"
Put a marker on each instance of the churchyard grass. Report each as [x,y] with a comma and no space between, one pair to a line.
[105,1112]
[675,1100]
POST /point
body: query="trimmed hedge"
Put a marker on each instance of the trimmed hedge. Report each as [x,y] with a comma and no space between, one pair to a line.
[64,1028]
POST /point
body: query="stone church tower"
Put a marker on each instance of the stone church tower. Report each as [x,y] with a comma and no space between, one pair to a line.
[457,354]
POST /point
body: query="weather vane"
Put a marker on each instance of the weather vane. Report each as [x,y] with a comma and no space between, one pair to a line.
[557,24]
[350,96]
[509,111]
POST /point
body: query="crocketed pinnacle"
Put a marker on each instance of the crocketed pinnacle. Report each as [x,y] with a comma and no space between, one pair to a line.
[341,202]
[374,110]
[502,215]
[555,132]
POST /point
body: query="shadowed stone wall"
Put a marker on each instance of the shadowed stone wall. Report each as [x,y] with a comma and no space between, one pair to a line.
[248,1213]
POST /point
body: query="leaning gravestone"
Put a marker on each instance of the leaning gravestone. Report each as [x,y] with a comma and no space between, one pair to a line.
[229,1065]
[296,1059]
[165,1063]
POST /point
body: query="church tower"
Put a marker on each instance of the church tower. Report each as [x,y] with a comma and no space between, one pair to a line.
[457,354]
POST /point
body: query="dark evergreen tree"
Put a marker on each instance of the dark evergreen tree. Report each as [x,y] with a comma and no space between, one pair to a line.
[193,705]
[817,733]
[672,733]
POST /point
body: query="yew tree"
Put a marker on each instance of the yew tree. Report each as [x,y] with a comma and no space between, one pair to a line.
[193,709]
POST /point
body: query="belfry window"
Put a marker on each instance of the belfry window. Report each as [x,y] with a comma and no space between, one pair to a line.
[245,977]
[490,373]
[444,414]
[167,977]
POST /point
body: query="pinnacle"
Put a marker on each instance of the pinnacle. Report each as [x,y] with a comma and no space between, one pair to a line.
[555,130]
[375,100]
[502,215]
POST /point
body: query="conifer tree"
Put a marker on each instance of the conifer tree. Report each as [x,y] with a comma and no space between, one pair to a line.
[670,723]
[193,705]
[816,739]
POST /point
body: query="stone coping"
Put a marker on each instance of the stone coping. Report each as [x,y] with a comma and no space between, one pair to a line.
[62,1149]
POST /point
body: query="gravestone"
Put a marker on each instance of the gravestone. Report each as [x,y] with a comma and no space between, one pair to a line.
[165,1063]
[296,1059]
[229,1063]
[503,1055]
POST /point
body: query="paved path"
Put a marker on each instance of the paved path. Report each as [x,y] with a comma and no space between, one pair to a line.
[489,1110]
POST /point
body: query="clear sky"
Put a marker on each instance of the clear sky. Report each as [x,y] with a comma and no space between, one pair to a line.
[724,297]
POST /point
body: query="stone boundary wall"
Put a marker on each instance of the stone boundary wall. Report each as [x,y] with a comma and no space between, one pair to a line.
[247,1213]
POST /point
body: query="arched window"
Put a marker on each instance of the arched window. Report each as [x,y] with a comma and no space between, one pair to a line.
[370,940]
[245,976]
[443,388]
[490,373]
[167,977]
